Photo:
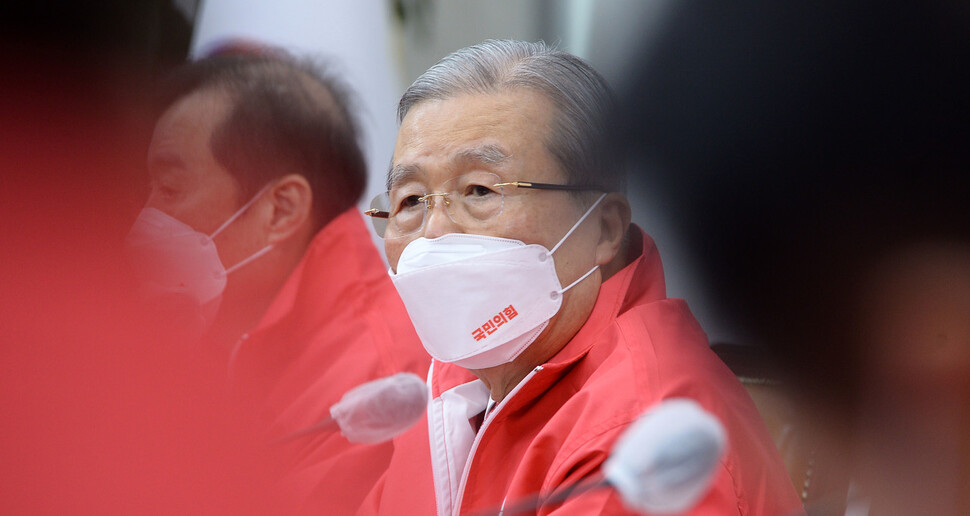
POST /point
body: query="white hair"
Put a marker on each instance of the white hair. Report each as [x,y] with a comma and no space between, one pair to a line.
[580,95]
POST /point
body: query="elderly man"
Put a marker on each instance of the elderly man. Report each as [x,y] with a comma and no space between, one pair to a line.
[545,311]
[255,173]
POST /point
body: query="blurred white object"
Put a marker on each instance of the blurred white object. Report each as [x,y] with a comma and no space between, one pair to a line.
[379,410]
[665,462]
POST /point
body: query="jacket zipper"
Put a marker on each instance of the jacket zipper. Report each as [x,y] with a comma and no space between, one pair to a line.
[478,437]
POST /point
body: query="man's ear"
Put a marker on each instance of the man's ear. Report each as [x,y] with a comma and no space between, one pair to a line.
[292,201]
[614,221]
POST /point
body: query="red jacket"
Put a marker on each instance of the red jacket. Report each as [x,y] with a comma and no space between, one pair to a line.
[337,323]
[558,426]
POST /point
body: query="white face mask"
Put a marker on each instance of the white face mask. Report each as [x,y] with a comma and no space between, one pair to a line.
[479,301]
[169,257]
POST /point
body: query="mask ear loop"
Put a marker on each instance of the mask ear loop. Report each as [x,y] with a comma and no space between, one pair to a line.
[576,225]
[255,255]
[578,222]
[235,216]
[581,278]
[240,211]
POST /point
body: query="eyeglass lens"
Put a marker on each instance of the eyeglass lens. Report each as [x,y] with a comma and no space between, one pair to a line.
[469,200]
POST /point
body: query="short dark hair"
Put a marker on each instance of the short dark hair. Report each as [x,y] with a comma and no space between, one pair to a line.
[285,116]
[581,96]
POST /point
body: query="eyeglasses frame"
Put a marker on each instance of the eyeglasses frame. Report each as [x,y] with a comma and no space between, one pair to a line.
[381,214]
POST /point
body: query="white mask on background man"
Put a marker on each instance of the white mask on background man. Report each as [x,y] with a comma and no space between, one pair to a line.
[171,258]
[479,301]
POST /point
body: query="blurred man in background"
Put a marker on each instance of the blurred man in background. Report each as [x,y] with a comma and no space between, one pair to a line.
[251,233]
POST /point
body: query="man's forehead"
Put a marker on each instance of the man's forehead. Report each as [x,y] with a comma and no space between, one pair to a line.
[204,107]
[487,155]
[187,123]
[165,151]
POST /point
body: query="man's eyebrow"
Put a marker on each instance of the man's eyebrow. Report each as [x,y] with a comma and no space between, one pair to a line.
[165,160]
[400,173]
[488,154]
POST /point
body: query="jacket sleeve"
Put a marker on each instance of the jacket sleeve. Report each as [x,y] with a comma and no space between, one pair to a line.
[372,502]
[581,465]
[604,501]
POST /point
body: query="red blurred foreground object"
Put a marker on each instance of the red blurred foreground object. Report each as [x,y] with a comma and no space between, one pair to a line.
[102,412]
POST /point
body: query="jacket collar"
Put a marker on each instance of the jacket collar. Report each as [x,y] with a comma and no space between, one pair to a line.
[340,264]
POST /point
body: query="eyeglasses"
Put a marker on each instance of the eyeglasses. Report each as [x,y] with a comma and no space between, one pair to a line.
[470,200]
